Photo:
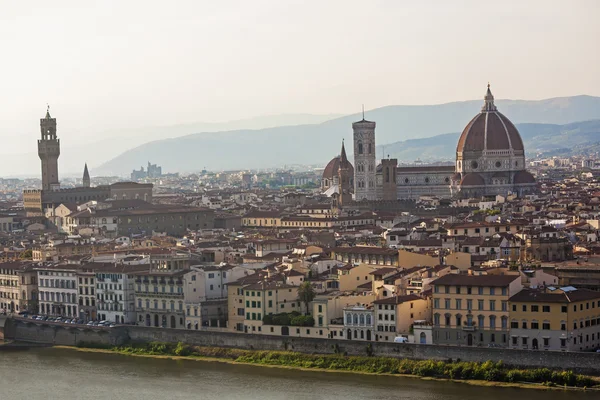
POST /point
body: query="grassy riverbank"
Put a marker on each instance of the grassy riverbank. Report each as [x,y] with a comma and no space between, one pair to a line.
[459,371]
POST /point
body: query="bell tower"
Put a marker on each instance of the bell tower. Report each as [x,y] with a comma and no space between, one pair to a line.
[364,160]
[49,151]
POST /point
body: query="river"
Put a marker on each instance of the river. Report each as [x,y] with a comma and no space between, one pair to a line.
[49,373]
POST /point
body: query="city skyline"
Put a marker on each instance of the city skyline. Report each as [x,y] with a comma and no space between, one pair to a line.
[113,67]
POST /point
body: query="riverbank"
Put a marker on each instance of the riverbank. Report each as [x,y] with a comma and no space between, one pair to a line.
[484,374]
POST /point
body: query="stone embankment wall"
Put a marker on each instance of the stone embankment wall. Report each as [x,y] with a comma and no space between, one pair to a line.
[60,334]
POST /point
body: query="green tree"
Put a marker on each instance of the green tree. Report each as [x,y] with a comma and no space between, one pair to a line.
[27,254]
[306,294]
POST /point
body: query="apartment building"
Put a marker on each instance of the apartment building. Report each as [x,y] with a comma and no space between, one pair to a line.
[396,315]
[472,310]
[58,294]
[115,291]
[558,319]
[18,287]
[86,286]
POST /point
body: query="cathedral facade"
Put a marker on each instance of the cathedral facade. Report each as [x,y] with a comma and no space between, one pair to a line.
[490,160]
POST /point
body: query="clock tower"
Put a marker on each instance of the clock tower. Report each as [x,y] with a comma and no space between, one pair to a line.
[364,160]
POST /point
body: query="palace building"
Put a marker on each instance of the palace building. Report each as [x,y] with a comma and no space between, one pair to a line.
[39,203]
[490,160]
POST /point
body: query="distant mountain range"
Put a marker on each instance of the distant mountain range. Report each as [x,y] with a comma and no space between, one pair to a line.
[411,131]
[537,138]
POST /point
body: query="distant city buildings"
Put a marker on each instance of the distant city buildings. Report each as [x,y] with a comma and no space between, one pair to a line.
[152,171]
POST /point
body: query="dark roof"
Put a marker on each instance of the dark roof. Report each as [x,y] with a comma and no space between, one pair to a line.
[365,250]
[398,299]
[539,296]
[476,280]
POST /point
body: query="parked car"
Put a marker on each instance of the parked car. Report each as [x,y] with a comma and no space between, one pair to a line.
[400,339]
[90,323]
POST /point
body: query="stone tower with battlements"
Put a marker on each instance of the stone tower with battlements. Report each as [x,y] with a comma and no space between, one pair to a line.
[364,160]
[49,151]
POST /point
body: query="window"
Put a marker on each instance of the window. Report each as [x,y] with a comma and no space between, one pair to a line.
[492,291]
[514,307]
[436,303]
[546,326]
[492,305]
[524,324]
[524,340]
[480,290]
[525,308]
[458,304]
[480,305]
[546,308]
[534,309]
[535,325]
[514,340]
[447,304]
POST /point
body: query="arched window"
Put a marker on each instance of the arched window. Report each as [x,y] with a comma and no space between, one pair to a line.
[360,148]
[362,319]
[481,321]
[492,322]
[349,319]
[387,174]
[369,148]
[368,319]
[355,319]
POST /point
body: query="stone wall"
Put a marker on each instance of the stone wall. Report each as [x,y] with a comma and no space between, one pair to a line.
[58,334]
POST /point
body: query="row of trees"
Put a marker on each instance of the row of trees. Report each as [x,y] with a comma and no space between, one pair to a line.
[289,319]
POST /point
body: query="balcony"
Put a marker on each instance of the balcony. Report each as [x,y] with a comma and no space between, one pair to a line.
[469,327]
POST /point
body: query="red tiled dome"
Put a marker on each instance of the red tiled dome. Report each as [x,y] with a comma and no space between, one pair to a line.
[472,179]
[523,177]
[333,167]
[489,130]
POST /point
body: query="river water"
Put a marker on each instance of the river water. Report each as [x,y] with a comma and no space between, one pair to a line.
[47,373]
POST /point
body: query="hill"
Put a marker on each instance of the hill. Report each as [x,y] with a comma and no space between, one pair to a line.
[537,138]
[317,143]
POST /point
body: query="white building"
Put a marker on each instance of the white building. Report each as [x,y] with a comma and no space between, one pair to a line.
[57,287]
[115,291]
[205,294]
[359,323]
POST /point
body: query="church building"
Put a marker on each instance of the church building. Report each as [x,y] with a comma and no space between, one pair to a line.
[490,160]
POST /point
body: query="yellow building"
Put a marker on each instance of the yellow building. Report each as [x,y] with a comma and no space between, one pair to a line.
[262,219]
[267,297]
[472,309]
[566,319]
[396,315]
[351,277]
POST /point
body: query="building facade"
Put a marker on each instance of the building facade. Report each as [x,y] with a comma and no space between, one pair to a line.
[472,310]
[557,319]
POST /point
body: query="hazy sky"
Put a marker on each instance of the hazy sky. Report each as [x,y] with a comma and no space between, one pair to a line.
[127,64]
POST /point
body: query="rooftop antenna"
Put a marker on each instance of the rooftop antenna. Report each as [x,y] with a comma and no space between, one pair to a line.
[363,111]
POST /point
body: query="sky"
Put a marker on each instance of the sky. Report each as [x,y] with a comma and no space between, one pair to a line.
[111,65]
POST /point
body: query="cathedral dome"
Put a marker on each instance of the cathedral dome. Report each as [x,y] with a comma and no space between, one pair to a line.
[472,179]
[489,130]
[333,166]
[523,177]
